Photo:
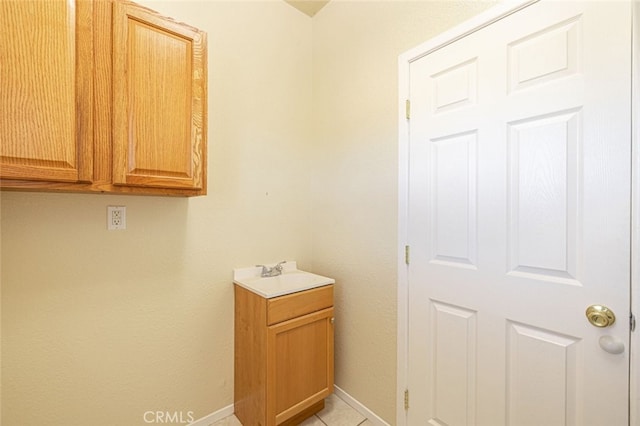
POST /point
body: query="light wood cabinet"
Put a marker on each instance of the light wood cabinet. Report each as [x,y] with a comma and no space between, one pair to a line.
[283,355]
[159,100]
[46,78]
[101,96]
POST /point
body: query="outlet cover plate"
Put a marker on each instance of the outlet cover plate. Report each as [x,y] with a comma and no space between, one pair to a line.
[116,218]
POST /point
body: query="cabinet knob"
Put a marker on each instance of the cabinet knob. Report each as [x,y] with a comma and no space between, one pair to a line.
[332,320]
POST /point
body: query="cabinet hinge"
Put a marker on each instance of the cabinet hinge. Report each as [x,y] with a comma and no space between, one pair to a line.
[406,254]
[407,109]
[632,322]
[406,399]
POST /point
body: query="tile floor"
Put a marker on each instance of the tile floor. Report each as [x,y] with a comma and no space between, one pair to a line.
[336,413]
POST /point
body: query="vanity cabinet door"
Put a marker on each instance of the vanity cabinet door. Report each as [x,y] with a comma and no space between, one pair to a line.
[299,364]
[159,110]
[46,119]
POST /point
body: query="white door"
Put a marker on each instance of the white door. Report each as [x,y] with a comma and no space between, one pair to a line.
[519,219]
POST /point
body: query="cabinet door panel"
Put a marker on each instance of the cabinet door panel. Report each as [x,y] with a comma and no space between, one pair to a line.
[300,364]
[159,100]
[46,75]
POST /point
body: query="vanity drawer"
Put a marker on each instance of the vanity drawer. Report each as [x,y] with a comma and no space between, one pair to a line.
[297,304]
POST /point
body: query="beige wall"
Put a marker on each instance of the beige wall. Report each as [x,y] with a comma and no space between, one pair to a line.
[99,327]
[355,98]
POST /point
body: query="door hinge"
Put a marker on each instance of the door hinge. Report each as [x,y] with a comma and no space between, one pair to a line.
[406,399]
[407,109]
[406,254]
[632,322]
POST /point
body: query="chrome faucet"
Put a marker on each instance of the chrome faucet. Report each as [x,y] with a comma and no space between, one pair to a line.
[273,271]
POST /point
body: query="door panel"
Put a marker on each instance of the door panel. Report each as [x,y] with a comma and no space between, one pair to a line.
[541,376]
[519,219]
[159,100]
[300,364]
[453,200]
[454,337]
[46,126]
[543,188]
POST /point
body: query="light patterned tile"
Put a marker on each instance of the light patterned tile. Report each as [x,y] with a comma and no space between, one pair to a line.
[228,421]
[312,421]
[337,413]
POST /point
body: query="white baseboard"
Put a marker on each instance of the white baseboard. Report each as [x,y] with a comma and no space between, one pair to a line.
[359,407]
[210,419]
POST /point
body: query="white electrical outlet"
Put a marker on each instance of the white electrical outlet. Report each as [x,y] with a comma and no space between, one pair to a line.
[116,217]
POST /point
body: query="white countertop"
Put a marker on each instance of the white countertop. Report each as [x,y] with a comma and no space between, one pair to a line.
[290,281]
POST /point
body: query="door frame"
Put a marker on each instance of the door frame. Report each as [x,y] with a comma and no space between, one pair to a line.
[404,61]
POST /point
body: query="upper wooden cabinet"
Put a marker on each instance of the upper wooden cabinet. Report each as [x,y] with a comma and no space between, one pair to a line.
[46,78]
[159,100]
[101,96]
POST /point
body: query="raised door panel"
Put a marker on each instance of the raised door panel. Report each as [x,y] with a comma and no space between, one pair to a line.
[299,365]
[46,125]
[159,100]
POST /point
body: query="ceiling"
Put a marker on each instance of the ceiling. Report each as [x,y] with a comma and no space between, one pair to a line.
[310,7]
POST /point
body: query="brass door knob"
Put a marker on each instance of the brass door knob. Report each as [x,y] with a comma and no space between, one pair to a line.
[600,316]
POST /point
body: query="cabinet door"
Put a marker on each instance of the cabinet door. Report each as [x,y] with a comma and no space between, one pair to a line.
[299,364]
[159,104]
[46,79]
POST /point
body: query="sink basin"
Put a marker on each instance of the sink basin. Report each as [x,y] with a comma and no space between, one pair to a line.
[291,280]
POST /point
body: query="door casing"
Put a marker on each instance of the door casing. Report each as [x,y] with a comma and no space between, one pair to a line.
[440,41]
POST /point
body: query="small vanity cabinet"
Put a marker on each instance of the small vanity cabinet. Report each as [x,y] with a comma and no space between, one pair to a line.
[283,355]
